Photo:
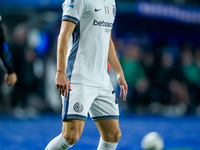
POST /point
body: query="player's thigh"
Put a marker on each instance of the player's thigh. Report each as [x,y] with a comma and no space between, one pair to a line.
[105,112]
[75,109]
[105,106]
[72,128]
[109,129]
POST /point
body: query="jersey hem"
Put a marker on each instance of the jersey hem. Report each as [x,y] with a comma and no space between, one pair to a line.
[94,86]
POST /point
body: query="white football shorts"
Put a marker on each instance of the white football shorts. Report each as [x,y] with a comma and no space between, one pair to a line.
[100,103]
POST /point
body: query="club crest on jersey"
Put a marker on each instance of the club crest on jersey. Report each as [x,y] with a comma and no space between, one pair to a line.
[71,4]
[114,10]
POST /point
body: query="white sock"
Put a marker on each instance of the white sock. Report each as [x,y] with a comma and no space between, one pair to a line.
[103,145]
[58,143]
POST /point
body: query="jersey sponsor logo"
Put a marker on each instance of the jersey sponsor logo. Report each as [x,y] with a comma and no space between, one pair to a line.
[97,10]
[106,10]
[102,23]
[78,107]
[71,4]
[108,30]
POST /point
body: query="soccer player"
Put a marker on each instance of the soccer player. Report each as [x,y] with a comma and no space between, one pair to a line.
[5,55]
[83,49]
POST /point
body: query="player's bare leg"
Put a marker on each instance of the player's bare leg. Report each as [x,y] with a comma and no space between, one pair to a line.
[110,134]
[71,132]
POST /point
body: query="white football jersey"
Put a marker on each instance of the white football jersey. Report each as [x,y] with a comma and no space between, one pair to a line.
[89,44]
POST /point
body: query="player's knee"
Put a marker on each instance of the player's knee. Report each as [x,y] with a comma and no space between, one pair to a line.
[117,135]
[71,137]
[113,137]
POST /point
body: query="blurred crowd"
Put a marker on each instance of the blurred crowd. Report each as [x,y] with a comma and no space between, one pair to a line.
[163,78]
[33,46]
[177,2]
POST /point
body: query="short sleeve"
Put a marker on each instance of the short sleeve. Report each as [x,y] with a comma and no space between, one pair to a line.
[73,10]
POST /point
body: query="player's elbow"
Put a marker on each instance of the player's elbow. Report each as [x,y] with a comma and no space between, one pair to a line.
[60,37]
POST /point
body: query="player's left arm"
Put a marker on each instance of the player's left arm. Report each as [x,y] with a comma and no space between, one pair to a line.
[10,78]
[114,62]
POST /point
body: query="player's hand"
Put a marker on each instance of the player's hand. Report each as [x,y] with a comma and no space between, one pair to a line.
[10,79]
[62,84]
[123,86]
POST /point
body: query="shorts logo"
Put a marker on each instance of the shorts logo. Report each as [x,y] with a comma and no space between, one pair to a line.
[78,107]
[116,101]
[71,4]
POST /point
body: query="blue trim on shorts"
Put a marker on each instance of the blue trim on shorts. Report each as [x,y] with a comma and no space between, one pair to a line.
[74,116]
[105,117]
[65,105]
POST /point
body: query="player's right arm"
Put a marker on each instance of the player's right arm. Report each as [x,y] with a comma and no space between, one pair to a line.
[61,80]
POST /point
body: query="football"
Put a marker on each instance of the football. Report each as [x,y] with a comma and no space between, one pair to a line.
[152,141]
